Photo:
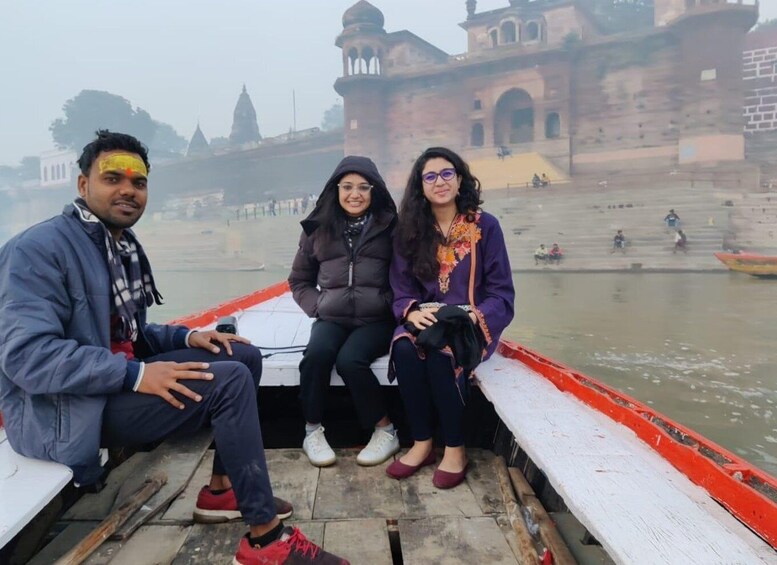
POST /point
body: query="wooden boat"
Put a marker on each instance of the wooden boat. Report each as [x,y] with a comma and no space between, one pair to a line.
[750,263]
[638,487]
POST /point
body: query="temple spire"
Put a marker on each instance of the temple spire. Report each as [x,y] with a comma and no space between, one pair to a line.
[244,126]
[198,145]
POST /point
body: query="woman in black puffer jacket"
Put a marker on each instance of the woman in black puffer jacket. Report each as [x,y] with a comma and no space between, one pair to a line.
[340,278]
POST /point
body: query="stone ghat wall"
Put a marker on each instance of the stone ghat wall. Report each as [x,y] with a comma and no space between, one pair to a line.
[627,102]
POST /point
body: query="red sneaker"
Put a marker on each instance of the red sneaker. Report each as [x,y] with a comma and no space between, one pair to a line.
[293,548]
[214,508]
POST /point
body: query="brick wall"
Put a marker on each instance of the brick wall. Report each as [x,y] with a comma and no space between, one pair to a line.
[760,75]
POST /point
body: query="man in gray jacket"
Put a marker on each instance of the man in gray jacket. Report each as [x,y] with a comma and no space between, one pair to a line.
[81,369]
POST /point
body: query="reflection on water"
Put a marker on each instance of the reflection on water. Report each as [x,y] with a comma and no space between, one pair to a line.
[697,347]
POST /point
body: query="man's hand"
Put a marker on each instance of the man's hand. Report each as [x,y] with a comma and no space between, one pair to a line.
[208,340]
[162,377]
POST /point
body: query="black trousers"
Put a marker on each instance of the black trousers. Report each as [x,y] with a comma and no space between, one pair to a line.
[426,385]
[350,351]
[228,404]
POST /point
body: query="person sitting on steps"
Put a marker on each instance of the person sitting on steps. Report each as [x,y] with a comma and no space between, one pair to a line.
[541,254]
[619,242]
[555,254]
[680,242]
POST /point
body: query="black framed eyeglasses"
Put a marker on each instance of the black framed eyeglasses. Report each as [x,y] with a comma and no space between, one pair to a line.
[363,188]
[445,174]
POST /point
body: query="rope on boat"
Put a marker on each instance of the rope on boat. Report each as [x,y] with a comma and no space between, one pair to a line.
[285,350]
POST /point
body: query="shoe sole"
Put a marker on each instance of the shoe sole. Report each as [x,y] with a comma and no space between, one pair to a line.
[222,516]
[325,463]
[374,463]
[215,516]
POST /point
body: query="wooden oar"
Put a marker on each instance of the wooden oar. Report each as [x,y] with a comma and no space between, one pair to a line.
[113,521]
[525,543]
[549,534]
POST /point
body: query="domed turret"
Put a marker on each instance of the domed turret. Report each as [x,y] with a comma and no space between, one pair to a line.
[363,13]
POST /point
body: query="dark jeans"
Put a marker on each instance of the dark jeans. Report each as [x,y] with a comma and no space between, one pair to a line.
[426,384]
[350,351]
[228,404]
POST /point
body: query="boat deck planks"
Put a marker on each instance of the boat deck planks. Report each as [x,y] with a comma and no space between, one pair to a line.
[347,490]
[352,506]
[294,479]
[359,541]
[632,500]
[149,544]
[454,540]
[182,507]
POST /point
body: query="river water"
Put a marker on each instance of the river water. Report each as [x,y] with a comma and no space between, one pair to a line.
[697,347]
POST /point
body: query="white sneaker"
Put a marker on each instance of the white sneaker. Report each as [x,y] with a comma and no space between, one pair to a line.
[317,449]
[382,445]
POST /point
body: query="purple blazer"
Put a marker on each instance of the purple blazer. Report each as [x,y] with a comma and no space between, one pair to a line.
[494,292]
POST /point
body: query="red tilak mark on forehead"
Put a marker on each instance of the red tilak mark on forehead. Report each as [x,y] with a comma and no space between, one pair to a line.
[129,172]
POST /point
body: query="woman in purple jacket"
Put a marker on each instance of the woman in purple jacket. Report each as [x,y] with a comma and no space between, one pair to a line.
[439,223]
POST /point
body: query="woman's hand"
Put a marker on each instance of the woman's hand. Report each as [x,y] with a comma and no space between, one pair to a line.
[422,319]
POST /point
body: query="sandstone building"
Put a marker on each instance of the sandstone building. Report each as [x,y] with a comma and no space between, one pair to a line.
[542,78]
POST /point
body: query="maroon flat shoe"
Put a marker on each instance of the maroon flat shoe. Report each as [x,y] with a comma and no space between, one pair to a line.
[399,470]
[446,479]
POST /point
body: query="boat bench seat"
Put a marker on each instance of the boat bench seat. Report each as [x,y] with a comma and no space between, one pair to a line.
[278,323]
[632,500]
[26,486]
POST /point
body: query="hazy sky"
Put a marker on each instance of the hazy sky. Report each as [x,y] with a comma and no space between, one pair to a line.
[186,60]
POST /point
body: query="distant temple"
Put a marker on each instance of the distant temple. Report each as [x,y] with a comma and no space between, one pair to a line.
[244,126]
[544,78]
[198,146]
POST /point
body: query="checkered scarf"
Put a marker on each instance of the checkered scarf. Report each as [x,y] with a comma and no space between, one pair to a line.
[132,283]
[354,228]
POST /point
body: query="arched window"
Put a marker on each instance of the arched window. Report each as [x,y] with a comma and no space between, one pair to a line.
[45,174]
[353,61]
[532,31]
[508,32]
[477,136]
[368,57]
[64,172]
[494,35]
[552,125]
[54,172]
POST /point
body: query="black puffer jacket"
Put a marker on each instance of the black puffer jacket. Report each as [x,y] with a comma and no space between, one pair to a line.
[331,282]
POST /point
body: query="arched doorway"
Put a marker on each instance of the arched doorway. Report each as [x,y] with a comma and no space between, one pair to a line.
[514,118]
